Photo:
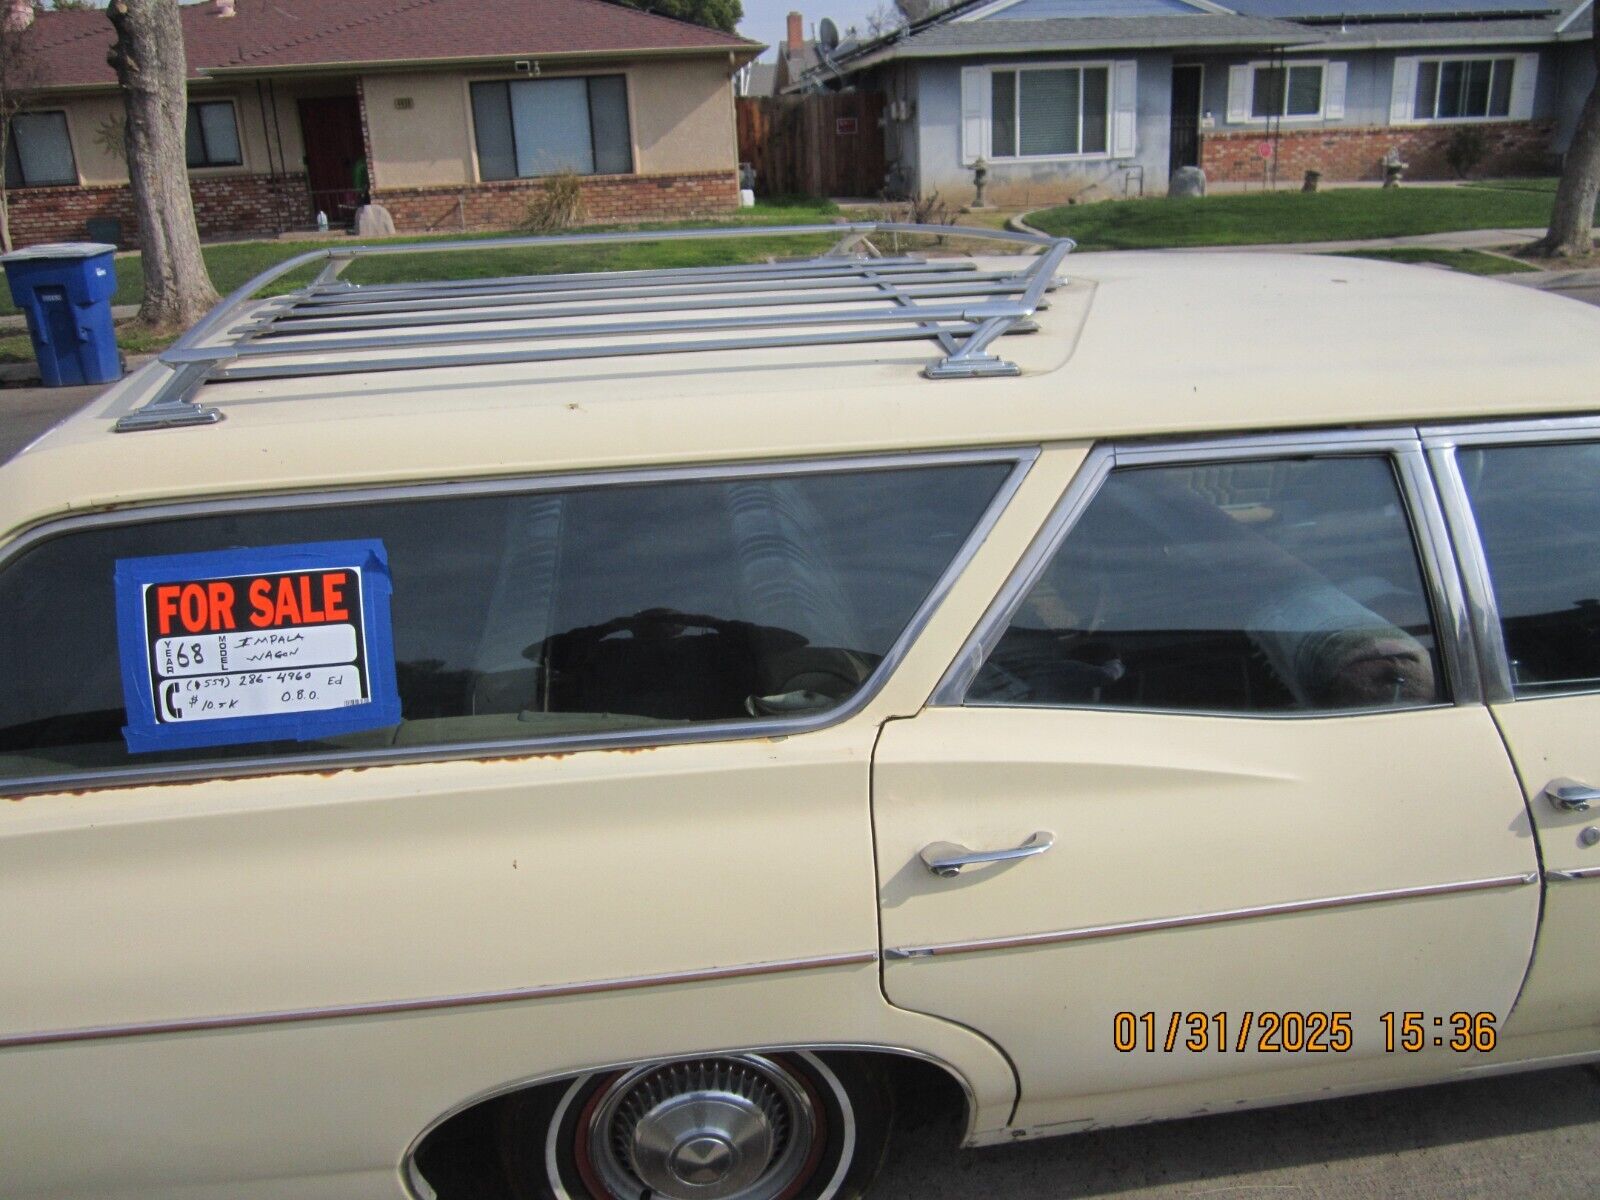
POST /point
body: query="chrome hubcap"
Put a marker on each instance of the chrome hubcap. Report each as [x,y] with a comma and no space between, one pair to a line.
[734,1128]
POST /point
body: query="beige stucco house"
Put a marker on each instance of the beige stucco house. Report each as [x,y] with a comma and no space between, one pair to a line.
[448,112]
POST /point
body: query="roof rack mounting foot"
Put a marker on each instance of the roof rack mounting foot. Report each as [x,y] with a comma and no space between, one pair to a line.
[168,416]
[978,366]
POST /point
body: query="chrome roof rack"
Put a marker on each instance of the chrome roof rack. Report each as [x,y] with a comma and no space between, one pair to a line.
[852,293]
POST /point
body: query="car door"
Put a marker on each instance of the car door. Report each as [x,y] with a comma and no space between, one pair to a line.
[1242,796]
[1524,501]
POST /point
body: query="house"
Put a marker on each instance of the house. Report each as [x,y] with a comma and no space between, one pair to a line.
[447,112]
[1058,97]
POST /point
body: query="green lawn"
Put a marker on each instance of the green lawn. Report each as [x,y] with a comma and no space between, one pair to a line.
[1473,262]
[1341,214]
[231,264]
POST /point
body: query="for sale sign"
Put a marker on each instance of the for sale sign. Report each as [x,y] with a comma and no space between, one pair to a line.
[265,644]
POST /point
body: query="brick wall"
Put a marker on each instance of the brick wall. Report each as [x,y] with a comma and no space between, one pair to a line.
[1513,148]
[606,198]
[247,205]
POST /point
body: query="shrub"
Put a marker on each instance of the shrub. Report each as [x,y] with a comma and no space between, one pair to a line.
[557,205]
[1465,149]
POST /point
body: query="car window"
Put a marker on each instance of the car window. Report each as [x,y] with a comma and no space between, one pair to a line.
[1538,515]
[555,612]
[1275,586]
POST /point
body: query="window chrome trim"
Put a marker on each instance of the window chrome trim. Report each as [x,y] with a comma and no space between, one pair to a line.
[1092,472]
[1483,610]
[1452,615]
[1254,912]
[1401,445]
[1020,458]
[1442,442]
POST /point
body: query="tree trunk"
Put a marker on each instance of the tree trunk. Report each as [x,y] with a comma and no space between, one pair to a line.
[151,69]
[1572,221]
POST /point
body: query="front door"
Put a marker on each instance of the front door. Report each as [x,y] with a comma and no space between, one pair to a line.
[1250,799]
[331,126]
[1530,505]
[1186,91]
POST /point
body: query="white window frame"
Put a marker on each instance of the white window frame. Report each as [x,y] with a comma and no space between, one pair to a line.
[1441,59]
[238,134]
[1109,67]
[1286,65]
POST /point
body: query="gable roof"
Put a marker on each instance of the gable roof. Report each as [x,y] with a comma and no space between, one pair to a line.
[275,35]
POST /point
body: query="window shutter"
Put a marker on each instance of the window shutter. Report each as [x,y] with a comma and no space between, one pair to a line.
[1125,107]
[1333,94]
[1523,80]
[974,114]
[1238,95]
[1403,96]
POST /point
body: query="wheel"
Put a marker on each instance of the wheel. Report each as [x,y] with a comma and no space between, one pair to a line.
[725,1127]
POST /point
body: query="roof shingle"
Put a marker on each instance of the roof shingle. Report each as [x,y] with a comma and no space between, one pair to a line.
[71,46]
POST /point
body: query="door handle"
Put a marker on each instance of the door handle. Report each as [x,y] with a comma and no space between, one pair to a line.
[1572,797]
[946,859]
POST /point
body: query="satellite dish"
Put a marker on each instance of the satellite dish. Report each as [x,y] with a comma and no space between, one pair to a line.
[827,36]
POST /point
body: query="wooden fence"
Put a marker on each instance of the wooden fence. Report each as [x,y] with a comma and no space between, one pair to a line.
[813,145]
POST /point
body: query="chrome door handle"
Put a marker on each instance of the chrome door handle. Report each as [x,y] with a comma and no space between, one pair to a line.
[946,859]
[1573,797]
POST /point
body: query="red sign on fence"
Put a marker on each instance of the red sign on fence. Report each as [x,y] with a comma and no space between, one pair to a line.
[845,127]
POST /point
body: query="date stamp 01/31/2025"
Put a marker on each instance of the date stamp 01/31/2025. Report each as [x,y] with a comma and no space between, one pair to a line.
[1291,1032]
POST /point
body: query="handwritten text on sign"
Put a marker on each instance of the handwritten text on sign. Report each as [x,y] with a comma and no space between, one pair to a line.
[256,645]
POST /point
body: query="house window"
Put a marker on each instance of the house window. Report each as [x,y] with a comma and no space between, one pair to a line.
[1454,89]
[1286,91]
[212,136]
[529,127]
[1049,113]
[39,151]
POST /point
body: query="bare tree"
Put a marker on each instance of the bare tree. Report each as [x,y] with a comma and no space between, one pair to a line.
[918,10]
[1572,221]
[884,18]
[152,71]
[19,76]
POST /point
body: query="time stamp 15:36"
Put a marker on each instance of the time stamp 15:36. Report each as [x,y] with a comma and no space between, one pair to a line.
[1291,1032]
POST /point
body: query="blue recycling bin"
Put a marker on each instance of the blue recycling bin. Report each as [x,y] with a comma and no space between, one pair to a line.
[65,291]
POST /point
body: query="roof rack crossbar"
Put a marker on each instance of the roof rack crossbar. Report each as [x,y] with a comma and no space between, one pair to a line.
[963,331]
[571,295]
[806,266]
[293,370]
[857,294]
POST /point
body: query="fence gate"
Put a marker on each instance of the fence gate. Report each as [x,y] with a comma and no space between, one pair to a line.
[813,145]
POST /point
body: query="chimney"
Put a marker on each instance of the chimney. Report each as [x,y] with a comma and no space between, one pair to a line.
[19,15]
[797,34]
[223,8]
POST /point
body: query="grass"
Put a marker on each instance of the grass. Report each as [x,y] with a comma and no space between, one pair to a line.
[233,263]
[1472,262]
[1340,214]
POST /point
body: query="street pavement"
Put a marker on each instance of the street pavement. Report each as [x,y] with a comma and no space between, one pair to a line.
[1535,1135]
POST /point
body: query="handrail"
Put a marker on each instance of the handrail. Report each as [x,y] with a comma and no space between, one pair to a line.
[192,362]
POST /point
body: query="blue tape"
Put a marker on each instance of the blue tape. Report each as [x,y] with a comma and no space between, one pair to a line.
[146,732]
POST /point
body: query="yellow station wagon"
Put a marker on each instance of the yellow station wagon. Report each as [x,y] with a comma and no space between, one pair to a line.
[606,736]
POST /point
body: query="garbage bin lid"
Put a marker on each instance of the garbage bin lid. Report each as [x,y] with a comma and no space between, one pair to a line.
[59,250]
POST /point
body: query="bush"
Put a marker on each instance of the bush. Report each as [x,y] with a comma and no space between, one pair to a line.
[558,205]
[1465,149]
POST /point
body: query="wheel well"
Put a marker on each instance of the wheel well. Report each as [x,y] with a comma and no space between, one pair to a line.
[459,1158]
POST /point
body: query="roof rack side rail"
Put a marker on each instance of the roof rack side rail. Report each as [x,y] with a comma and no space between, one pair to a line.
[192,361]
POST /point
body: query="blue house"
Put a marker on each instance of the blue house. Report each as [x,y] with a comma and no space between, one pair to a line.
[1062,97]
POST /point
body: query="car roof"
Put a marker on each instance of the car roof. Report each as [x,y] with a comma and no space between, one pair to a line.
[1132,345]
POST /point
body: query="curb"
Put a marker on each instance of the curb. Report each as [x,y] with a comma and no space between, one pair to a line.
[27,374]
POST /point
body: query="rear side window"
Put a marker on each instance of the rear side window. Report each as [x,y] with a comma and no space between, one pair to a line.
[1287,586]
[1538,514]
[632,607]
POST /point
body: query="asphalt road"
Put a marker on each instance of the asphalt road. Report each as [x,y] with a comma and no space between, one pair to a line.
[1534,1135]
